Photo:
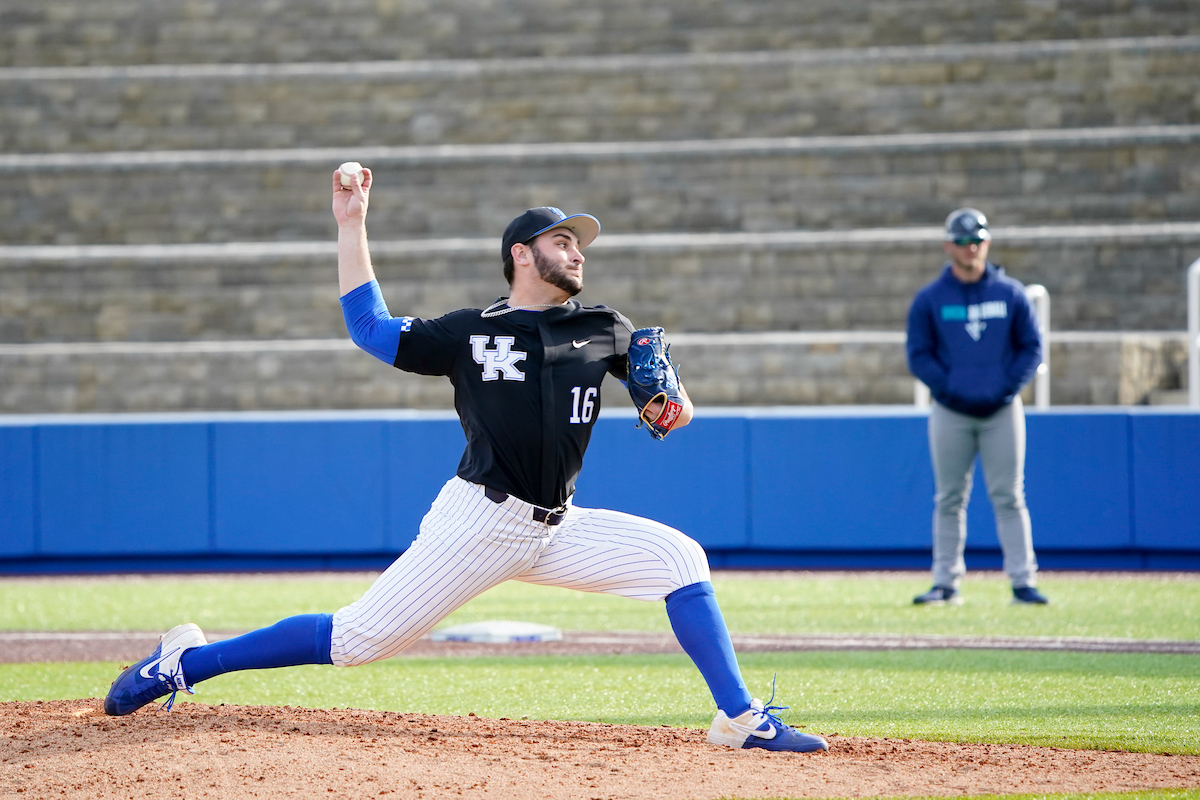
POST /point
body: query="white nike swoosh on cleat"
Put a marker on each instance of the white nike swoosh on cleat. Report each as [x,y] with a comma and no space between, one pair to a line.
[145,671]
[746,730]
[578,344]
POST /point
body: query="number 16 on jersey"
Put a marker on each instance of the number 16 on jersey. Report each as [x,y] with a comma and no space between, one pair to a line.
[583,404]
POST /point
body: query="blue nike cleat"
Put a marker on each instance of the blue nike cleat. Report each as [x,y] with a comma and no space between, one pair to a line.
[155,676]
[759,727]
[1028,596]
[939,595]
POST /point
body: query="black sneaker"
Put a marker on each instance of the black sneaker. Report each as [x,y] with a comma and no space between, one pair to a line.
[939,595]
[1028,596]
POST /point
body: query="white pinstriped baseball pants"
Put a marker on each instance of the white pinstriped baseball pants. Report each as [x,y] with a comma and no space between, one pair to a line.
[468,544]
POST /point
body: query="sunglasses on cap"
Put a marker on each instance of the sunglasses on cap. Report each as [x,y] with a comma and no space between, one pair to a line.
[963,241]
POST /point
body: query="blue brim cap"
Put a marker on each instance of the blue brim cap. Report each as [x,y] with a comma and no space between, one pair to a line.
[967,223]
[537,221]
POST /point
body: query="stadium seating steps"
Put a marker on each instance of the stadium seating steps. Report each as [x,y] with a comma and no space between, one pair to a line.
[143,126]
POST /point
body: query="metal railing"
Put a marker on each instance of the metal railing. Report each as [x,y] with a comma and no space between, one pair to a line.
[1193,301]
[1040,298]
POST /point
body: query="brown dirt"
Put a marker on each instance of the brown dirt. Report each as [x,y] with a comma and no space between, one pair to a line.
[69,748]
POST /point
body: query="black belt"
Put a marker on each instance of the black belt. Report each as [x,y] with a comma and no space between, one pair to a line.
[539,514]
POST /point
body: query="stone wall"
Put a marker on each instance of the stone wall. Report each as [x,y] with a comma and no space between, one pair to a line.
[70,32]
[718,371]
[838,282]
[1113,175]
[1123,369]
[974,87]
[759,166]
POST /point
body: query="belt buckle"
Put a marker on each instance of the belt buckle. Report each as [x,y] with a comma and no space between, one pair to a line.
[550,516]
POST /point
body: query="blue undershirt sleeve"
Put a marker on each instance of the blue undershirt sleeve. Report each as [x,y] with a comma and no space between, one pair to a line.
[371,325]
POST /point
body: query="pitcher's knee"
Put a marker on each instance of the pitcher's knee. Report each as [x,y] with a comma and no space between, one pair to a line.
[358,651]
[359,640]
[697,563]
[683,558]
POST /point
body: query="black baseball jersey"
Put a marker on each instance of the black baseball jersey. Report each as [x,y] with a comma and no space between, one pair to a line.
[526,388]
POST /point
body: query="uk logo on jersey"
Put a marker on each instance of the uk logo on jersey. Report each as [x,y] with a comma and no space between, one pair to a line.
[500,362]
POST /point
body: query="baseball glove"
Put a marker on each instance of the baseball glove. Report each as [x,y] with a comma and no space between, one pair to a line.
[653,377]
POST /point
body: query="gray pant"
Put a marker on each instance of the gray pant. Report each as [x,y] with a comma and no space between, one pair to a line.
[954,439]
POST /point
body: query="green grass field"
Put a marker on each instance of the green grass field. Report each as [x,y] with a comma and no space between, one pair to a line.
[1141,702]
[1141,606]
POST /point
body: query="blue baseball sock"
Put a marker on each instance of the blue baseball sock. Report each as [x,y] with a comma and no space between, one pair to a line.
[700,629]
[303,639]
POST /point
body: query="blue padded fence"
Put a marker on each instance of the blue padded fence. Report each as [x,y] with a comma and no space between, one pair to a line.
[847,487]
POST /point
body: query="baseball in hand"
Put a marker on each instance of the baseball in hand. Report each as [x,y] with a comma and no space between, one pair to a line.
[348,169]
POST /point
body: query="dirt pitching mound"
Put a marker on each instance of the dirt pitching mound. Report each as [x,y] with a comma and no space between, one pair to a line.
[70,748]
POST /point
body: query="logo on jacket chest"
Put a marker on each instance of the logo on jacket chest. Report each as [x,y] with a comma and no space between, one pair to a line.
[974,315]
[499,362]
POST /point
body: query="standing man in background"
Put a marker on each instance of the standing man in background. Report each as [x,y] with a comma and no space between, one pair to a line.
[974,341]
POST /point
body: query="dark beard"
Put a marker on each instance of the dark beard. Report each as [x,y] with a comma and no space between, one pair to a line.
[555,274]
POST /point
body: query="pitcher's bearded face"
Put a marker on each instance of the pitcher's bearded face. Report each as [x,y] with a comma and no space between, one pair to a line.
[556,268]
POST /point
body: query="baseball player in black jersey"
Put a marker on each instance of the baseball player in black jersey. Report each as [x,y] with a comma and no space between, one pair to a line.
[527,373]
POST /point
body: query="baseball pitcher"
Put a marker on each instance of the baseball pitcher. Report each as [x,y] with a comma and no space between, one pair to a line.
[527,374]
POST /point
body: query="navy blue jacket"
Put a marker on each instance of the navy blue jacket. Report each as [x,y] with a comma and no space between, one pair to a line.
[973,344]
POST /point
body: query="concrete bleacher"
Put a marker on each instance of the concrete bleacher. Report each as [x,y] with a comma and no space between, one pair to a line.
[697,283]
[1107,175]
[820,144]
[73,32]
[820,322]
[792,92]
[748,369]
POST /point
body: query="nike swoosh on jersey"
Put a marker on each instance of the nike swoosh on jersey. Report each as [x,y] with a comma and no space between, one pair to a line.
[747,730]
[145,671]
[578,344]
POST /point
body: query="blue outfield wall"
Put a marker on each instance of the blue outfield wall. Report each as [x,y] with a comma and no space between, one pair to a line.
[846,487]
